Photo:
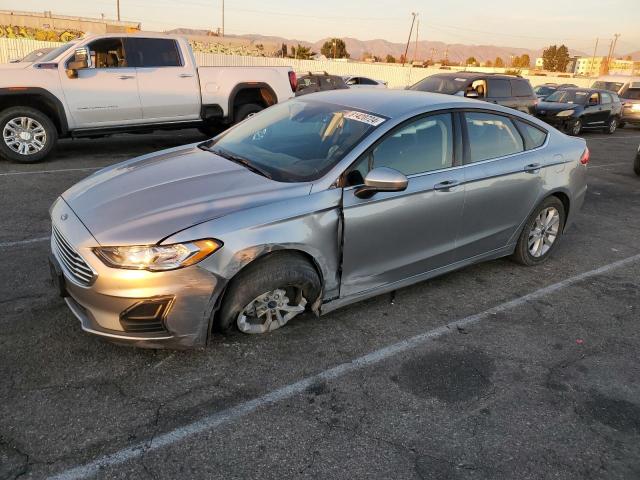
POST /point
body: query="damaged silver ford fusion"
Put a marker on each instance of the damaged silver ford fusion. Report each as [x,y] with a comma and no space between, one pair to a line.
[308,206]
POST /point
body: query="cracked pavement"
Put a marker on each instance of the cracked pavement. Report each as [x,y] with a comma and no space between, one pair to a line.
[549,389]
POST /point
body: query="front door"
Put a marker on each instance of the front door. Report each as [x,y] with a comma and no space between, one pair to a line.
[106,93]
[393,236]
[594,113]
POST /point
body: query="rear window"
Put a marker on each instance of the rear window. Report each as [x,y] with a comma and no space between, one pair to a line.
[611,86]
[632,94]
[152,52]
[499,88]
[534,137]
[521,88]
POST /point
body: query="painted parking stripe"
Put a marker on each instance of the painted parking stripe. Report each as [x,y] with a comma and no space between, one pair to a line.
[238,411]
[19,243]
[610,165]
[36,172]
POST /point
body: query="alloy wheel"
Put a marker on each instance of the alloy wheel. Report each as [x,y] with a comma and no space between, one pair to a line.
[544,232]
[271,310]
[577,126]
[613,124]
[24,135]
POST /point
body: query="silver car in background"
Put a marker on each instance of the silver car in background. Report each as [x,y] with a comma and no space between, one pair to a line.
[313,204]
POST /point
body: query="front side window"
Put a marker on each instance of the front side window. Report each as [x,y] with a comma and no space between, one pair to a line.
[606,98]
[421,146]
[153,52]
[491,136]
[499,88]
[593,100]
[108,53]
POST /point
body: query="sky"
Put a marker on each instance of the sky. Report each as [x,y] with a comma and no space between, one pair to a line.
[515,23]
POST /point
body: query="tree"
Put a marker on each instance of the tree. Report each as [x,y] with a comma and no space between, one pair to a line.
[390,59]
[403,59]
[471,61]
[488,63]
[301,52]
[555,59]
[498,63]
[285,51]
[335,48]
[525,61]
[562,58]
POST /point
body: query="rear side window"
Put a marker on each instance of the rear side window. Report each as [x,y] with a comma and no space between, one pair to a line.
[153,52]
[534,137]
[606,98]
[367,81]
[499,88]
[521,88]
[491,136]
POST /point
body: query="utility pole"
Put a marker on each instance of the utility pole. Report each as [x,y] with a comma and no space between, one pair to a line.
[415,50]
[406,50]
[118,7]
[222,18]
[613,48]
[606,71]
[593,59]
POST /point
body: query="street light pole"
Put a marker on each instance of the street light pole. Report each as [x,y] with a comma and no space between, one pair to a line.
[118,7]
[406,50]
[222,18]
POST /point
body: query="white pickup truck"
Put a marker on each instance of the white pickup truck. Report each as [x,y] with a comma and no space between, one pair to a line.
[105,84]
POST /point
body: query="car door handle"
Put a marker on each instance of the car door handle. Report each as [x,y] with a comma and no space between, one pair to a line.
[532,168]
[126,77]
[186,75]
[446,186]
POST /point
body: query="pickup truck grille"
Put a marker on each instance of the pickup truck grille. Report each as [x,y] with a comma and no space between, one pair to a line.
[74,264]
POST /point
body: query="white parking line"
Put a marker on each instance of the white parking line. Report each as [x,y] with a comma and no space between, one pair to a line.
[229,415]
[610,165]
[36,172]
[18,243]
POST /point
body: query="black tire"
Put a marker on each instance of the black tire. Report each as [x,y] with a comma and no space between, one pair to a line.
[575,128]
[51,134]
[243,111]
[276,270]
[621,124]
[611,126]
[521,254]
[636,165]
[212,129]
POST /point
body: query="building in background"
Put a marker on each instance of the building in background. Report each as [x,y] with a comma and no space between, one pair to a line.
[46,21]
[594,66]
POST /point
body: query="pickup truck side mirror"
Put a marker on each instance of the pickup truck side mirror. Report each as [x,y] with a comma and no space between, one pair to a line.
[81,59]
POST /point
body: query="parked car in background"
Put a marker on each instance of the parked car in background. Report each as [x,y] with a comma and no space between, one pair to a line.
[105,84]
[630,98]
[34,56]
[312,82]
[546,89]
[364,82]
[614,83]
[312,204]
[575,109]
[507,90]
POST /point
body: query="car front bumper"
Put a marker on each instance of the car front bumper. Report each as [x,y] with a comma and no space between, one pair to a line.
[561,123]
[170,309]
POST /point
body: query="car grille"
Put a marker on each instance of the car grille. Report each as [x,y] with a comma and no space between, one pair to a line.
[75,265]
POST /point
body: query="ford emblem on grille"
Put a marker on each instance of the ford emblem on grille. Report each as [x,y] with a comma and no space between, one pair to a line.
[64,216]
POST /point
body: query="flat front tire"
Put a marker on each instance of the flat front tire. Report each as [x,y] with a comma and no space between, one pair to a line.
[268,293]
[27,135]
[541,233]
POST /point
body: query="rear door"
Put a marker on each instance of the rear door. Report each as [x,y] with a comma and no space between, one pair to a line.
[503,181]
[524,98]
[393,236]
[499,91]
[167,81]
[606,102]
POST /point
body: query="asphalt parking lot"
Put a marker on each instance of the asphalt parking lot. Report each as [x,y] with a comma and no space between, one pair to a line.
[493,372]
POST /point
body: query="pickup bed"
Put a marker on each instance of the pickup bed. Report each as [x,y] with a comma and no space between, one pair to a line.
[105,84]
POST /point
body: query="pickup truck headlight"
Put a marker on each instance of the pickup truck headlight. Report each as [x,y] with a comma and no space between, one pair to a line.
[635,107]
[565,113]
[157,257]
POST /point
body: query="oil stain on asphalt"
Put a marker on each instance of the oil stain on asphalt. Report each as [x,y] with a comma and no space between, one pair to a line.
[450,377]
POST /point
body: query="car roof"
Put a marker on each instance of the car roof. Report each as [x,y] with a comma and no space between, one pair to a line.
[590,90]
[470,75]
[390,103]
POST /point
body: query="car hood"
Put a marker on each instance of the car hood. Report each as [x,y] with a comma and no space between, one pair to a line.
[15,66]
[556,106]
[144,200]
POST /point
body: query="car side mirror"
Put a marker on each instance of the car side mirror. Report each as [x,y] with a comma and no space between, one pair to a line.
[382,179]
[81,60]
[472,94]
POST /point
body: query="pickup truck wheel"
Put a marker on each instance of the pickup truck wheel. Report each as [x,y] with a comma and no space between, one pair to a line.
[268,293]
[246,110]
[28,135]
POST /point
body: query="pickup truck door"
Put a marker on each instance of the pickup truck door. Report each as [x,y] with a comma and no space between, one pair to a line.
[106,93]
[167,80]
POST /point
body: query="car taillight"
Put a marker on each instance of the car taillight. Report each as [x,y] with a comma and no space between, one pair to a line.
[293,81]
[584,159]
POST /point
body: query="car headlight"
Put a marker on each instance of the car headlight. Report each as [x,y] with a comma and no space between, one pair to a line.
[635,107]
[157,257]
[565,113]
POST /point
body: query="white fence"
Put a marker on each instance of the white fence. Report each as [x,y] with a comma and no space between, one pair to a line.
[396,75]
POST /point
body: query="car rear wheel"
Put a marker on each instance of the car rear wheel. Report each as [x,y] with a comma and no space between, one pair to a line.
[541,232]
[611,126]
[246,110]
[28,135]
[268,294]
[576,127]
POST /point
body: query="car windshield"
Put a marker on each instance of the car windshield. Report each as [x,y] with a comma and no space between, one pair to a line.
[569,96]
[56,52]
[440,84]
[36,54]
[611,86]
[543,90]
[295,141]
[632,94]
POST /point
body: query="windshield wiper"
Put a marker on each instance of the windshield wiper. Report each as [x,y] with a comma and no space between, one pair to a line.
[239,160]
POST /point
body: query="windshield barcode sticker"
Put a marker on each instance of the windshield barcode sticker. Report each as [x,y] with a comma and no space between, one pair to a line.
[363,117]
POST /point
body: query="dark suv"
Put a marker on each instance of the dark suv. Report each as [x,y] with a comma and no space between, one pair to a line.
[311,82]
[508,90]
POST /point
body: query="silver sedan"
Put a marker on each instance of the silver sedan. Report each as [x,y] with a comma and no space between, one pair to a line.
[311,205]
